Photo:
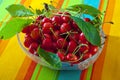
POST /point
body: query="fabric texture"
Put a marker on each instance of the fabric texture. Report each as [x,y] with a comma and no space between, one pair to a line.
[15,65]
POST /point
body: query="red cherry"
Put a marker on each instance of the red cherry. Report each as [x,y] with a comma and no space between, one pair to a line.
[47,36]
[74,37]
[45,20]
[61,43]
[71,46]
[84,49]
[56,35]
[26,30]
[86,56]
[71,57]
[33,47]
[87,19]
[47,43]
[28,40]
[57,20]
[93,49]
[82,39]
[32,26]
[61,55]
[46,27]
[65,27]
[35,33]
[39,18]
[66,19]
[31,50]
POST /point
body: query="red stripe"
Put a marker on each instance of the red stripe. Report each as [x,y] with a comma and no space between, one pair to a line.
[30,71]
[83,74]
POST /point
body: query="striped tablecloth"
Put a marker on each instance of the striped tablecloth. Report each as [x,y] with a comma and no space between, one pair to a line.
[15,65]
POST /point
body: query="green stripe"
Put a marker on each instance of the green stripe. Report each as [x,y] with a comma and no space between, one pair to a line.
[89,73]
[3,5]
[73,2]
[47,73]
[64,3]
[104,7]
[3,11]
[35,72]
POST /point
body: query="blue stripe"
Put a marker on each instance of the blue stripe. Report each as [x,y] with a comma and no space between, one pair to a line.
[94,3]
[69,75]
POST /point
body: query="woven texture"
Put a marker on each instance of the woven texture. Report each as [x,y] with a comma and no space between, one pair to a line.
[15,65]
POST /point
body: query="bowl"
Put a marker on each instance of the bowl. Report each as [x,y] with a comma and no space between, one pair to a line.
[65,65]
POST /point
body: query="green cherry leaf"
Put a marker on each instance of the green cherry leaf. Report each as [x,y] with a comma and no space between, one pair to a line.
[51,58]
[18,10]
[91,33]
[13,27]
[85,9]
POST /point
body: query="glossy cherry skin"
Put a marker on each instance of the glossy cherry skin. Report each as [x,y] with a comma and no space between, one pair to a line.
[93,49]
[61,43]
[71,46]
[61,56]
[56,20]
[65,27]
[71,57]
[33,47]
[28,40]
[66,19]
[84,49]
[47,43]
[82,39]
[86,56]
[44,20]
[35,33]
[46,27]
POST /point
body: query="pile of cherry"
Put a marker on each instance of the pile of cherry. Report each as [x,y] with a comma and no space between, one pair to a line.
[60,35]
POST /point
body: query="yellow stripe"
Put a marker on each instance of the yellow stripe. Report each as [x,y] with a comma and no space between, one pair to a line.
[111,69]
[11,60]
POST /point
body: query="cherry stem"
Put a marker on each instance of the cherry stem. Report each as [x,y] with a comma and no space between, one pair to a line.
[68,33]
[78,47]
[53,32]
[41,31]
[77,59]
